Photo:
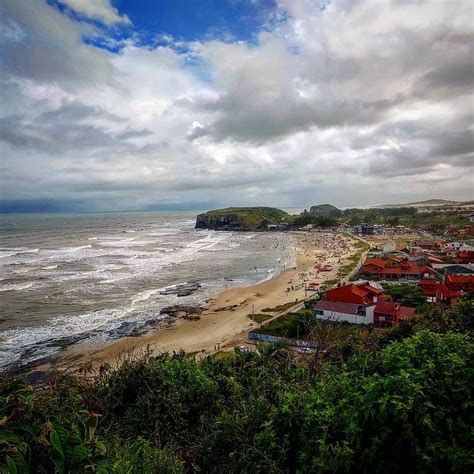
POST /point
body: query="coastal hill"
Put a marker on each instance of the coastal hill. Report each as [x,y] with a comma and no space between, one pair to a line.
[242,218]
[325,210]
[427,203]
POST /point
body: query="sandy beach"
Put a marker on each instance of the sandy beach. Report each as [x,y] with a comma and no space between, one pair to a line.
[226,321]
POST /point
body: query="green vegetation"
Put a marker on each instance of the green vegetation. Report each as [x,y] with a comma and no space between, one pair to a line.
[368,401]
[354,259]
[259,318]
[244,217]
[279,308]
[328,284]
[290,325]
[306,218]
[407,295]
[325,210]
[429,219]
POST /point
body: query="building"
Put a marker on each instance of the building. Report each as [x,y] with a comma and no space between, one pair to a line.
[361,294]
[449,290]
[425,244]
[344,312]
[395,269]
[437,292]
[360,303]
[388,313]
[459,282]
[384,248]
[456,245]
[464,256]
[456,269]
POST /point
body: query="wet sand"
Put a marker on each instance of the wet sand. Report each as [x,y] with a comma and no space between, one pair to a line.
[226,320]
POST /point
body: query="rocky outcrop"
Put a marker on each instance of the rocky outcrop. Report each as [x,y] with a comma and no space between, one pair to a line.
[184,289]
[243,218]
[208,221]
[325,210]
[188,312]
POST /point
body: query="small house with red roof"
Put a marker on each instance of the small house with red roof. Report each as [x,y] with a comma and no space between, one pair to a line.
[388,313]
[360,303]
[459,282]
[464,256]
[361,293]
[437,292]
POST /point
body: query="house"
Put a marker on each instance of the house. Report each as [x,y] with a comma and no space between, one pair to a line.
[415,251]
[361,294]
[425,244]
[384,248]
[471,218]
[464,256]
[392,269]
[438,292]
[388,313]
[449,290]
[459,282]
[459,269]
[344,312]
[455,245]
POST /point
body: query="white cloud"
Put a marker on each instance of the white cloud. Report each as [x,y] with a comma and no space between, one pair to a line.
[356,103]
[101,10]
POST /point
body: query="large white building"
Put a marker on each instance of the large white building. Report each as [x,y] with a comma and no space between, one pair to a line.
[348,312]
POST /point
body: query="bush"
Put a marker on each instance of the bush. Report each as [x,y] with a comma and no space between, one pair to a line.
[368,401]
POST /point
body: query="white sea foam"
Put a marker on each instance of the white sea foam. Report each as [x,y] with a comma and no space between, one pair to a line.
[16,286]
[49,267]
[11,252]
[145,295]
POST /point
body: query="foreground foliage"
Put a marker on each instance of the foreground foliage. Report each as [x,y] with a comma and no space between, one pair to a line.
[397,401]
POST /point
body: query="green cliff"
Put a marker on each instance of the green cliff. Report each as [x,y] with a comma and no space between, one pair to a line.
[242,218]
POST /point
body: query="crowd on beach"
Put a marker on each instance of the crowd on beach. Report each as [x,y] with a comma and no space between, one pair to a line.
[323,251]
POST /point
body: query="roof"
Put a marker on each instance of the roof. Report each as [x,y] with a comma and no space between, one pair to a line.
[457,269]
[362,293]
[387,307]
[424,242]
[459,278]
[338,307]
[434,288]
[406,312]
[378,262]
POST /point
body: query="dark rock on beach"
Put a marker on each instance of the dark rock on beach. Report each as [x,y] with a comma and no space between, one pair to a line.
[184,289]
[187,312]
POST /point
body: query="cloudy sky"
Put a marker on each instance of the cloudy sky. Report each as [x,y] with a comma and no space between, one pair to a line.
[194,104]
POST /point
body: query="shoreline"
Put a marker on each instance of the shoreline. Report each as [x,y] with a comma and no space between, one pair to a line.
[226,319]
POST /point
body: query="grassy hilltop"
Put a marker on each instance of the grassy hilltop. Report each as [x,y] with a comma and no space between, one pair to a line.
[242,217]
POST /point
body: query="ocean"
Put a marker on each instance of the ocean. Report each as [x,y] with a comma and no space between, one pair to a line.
[73,278]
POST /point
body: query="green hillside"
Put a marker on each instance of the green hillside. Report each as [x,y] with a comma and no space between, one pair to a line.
[242,217]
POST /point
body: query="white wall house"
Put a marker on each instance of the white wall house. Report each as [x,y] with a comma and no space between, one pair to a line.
[348,312]
[456,245]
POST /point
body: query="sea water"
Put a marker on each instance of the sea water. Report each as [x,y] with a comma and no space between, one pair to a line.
[70,278]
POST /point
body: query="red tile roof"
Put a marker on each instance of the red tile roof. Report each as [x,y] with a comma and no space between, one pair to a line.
[406,312]
[387,307]
[459,278]
[378,262]
[362,293]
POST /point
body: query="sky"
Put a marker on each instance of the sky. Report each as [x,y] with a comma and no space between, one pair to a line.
[125,105]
